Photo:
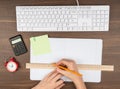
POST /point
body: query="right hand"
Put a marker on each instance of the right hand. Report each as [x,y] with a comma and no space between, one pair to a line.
[70,64]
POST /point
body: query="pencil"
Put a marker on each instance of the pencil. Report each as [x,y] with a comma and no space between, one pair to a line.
[66,69]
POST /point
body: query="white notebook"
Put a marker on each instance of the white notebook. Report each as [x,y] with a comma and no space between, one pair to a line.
[83,51]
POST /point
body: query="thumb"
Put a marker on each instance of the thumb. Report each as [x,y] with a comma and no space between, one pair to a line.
[62,71]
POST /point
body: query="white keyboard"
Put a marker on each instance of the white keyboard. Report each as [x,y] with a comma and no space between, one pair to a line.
[62,18]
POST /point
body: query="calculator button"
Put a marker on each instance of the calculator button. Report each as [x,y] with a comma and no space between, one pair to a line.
[16,52]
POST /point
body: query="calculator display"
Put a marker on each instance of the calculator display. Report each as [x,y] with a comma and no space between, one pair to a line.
[16,41]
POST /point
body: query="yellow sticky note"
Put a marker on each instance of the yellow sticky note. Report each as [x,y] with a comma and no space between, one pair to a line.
[40,45]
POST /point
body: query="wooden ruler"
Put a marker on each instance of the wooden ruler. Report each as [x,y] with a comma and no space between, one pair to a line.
[80,66]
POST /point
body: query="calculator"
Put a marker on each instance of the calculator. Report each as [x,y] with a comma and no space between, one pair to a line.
[18,45]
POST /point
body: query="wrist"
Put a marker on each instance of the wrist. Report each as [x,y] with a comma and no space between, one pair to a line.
[79,83]
[77,80]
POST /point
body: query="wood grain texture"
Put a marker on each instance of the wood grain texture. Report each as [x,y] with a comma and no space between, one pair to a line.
[20,79]
[79,66]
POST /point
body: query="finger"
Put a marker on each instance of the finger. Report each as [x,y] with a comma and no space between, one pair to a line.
[63,61]
[59,82]
[60,86]
[47,76]
[67,63]
[57,77]
[65,73]
[53,75]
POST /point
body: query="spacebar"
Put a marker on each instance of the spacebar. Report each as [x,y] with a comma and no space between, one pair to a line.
[44,29]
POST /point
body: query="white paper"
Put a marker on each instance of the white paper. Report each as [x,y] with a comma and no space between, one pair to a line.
[83,51]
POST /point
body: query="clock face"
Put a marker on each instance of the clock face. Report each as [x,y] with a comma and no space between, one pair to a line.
[11,66]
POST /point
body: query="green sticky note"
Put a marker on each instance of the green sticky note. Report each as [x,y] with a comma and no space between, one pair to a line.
[40,45]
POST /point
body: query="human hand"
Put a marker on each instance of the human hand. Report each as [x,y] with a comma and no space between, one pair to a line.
[70,64]
[51,81]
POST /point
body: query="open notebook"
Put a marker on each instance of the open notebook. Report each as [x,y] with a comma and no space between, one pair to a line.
[83,51]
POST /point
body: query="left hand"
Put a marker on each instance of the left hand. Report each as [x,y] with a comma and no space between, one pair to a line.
[51,81]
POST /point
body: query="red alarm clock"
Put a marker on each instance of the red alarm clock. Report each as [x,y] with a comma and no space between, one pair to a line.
[11,65]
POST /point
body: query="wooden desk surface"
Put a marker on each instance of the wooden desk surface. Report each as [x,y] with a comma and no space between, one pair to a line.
[20,79]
